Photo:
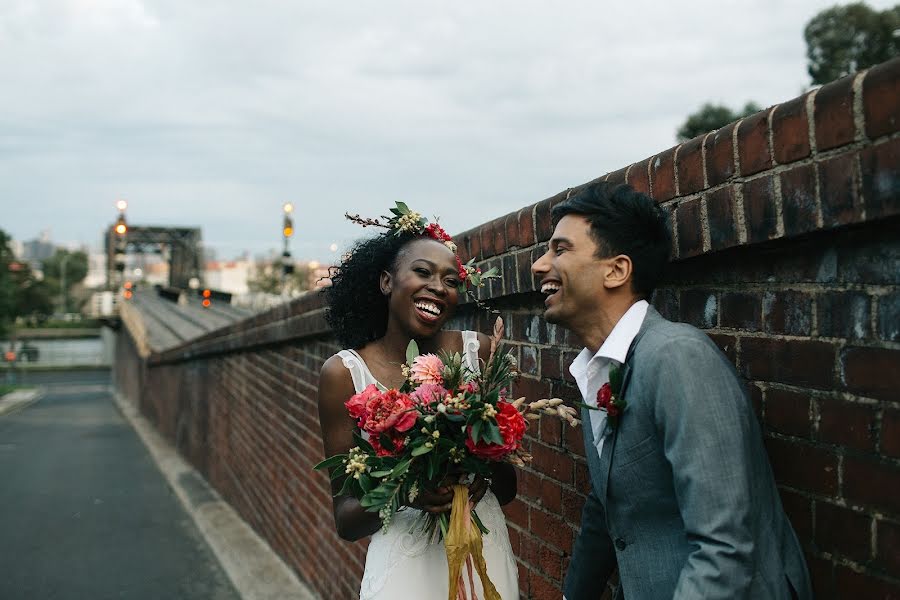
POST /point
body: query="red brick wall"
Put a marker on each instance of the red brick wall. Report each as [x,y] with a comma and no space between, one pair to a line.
[786,253]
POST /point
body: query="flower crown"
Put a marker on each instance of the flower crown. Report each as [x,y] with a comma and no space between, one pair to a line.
[405,220]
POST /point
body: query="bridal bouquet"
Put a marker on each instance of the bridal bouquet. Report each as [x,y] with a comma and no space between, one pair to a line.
[446,419]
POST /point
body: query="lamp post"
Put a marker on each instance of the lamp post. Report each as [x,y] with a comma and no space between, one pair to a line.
[120,229]
[287,230]
[62,280]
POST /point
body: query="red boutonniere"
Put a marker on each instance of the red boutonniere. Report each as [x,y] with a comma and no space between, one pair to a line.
[609,397]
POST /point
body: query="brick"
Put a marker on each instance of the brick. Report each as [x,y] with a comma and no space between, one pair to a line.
[741,311]
[639,176]
[756,400]
[881,179]
[803,467]
[798,195]
[881,88]
[753,143]
[516,513]
[511,229]
[790,131]
[524,260]
[821,572]
[850,584]
[475,244]
[787,312]
[486,233]
[552,530]
[551,494]
[847,424]
[889,317]
[843,531]
[690,166]
[890,433]
[662,175]
[666,302]
[550,431]
[887,554]
[727,344]
[759,209]
[526,226]
[510,274]
[541,588]
[788,412]
[616,177]
[833,114]
[551,359]
[531,388]
[843,315]
[841,203]
[700,308]
[871,372]
[797,362]
[720,213]
[553,463]
[542,221]
[690,238]
[463,247]
[872,483]
[720,155]
[572,504]
[798,508]
[528,363]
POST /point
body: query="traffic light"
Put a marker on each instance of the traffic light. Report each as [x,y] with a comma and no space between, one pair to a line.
[206,294]
[288,228]
[121,227]
[287,265]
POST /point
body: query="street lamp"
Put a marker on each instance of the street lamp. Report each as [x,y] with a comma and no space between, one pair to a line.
[287,230]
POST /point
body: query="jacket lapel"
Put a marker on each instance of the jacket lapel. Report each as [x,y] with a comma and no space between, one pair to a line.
[609,446]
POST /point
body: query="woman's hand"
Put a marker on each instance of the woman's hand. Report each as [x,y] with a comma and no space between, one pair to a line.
[440,499]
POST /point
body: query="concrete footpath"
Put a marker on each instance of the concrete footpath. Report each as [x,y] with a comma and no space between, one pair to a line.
[88,512]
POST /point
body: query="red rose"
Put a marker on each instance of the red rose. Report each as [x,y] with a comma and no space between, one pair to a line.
[604,396]
[356,405]
[512,428]
[397,440]
[389,410]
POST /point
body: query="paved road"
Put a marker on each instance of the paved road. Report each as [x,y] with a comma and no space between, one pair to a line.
[84,512]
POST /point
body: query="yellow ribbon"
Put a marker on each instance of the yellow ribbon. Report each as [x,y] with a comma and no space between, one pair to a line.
[464,545]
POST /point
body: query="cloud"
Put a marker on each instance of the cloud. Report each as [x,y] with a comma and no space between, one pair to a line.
[216,113]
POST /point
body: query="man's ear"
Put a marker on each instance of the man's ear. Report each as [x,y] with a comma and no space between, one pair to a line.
[618,271]
[386,283]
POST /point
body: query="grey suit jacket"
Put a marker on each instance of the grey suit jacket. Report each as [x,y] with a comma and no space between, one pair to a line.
[683,497]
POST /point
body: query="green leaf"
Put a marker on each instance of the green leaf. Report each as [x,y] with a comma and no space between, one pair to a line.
[401,469]
[402,207]
[380,474]
[331,462]
[421,450]
[363,444]
[615,378]
[366,483]
[345,489]
[493,433]
[476,430]
[412,351]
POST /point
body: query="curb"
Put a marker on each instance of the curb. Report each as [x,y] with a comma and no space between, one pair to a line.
[19,399]
[254,569]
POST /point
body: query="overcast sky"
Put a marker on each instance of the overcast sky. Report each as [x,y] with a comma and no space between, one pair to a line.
[215,113]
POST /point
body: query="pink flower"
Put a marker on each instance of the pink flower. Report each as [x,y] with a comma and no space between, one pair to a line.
[389,410]
[427,368]
[470,387]
[427,393]
[356,405]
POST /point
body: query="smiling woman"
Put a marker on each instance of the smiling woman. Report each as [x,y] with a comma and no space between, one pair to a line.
[396,287]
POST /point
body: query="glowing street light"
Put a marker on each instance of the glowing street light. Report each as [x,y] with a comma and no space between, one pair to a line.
[121,205]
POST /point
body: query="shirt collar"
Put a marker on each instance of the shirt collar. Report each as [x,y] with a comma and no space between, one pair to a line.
[617,343]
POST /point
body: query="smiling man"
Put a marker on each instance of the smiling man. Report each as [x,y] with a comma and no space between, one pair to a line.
[682,497]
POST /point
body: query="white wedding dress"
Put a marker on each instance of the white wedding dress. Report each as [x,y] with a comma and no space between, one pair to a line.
[402,563]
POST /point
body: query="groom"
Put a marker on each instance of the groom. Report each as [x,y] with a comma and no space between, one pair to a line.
[682,497]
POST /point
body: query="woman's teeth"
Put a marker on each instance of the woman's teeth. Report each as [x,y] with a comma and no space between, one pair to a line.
[429,307]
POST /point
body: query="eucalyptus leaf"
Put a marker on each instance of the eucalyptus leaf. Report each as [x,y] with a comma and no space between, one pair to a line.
[331,462]
[421,450]
[412,351]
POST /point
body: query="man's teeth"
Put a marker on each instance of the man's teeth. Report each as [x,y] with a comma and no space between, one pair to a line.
[549,288]
[428,307]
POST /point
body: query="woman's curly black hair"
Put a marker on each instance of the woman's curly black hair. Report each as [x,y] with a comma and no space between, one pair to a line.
[356,309]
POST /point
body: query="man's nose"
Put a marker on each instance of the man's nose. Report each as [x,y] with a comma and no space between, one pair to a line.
[541,265]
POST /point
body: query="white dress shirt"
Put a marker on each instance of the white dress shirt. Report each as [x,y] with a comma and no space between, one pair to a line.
[591,372]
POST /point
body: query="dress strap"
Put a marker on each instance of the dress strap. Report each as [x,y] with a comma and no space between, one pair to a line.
[470,350]
[359,372]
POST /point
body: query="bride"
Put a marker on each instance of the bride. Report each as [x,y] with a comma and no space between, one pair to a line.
[392,288]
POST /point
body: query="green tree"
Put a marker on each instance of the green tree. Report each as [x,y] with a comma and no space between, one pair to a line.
[21,293]
[712,116]
[76,269]
[268,279]
[844,39]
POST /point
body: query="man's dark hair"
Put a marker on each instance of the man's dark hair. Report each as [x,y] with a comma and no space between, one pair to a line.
[624,221]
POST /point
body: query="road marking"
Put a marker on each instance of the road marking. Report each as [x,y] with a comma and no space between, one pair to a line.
[19,399]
